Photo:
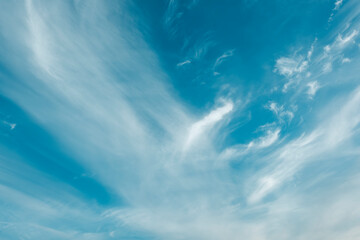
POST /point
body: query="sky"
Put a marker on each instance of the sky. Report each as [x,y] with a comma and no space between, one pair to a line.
[180,119]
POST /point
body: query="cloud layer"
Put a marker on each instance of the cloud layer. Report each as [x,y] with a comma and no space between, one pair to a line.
[98,140]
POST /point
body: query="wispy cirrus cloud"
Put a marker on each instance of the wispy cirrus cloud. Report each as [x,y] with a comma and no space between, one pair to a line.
[289,66]
[198,128]
[338,4]
[180,64]
[224,56]
[97,88]
[313,88]
[280,112]
[174,11]
[323,139]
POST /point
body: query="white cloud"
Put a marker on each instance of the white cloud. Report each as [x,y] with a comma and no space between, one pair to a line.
[280,111]
[265,185]
[183,63]
[271,136]
[290,66]
[342,41]
[174,11]
[222,58]
[336,48]
[294,67]
[202,46]
[124,125]
[196,49]
[311,51]
[11,125]
[338,4]
[265,141]
[345,60]
[327,67]
[326,138]
[286,162]
[203,125]
[171,13]
[312,88]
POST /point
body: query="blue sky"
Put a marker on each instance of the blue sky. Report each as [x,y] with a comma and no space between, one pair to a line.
[178,119]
